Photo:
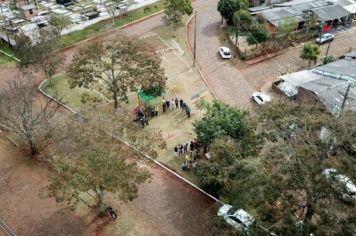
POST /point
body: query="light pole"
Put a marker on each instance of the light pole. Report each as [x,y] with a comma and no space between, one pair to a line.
[195,37]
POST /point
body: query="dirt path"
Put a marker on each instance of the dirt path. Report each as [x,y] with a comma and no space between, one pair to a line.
[20,205]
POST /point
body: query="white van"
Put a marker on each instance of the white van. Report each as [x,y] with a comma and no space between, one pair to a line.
[345,189]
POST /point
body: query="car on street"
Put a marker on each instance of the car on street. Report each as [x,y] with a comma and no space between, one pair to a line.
[260,98]
[325,38]
[344,188]
[224,52]
[239,219]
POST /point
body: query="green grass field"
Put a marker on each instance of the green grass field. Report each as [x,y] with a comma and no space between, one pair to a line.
[4,59]
[71,97]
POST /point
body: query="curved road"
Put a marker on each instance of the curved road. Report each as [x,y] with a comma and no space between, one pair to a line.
[223,78]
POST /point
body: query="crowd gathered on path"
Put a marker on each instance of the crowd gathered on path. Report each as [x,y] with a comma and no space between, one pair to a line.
[167,105]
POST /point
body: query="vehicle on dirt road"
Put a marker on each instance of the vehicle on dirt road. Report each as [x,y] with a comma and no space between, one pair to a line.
[224,52]
[325,38]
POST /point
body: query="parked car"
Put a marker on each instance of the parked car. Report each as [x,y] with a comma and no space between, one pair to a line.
[239,219]
[225,52]
[343,186]
[325,38]
[260,98]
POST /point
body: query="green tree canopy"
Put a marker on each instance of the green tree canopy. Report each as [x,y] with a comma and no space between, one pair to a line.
[310,52]
[259,33]
[117,68]
[223,120]
[243,19]
[58,23]
[227,8]
[174,11]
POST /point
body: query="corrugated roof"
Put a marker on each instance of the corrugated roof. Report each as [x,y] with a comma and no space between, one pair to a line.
[276,15]
[332,12]
[332,92]
[344,69]
[351,54]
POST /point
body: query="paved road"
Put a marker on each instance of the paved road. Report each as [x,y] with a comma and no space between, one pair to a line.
[224,79]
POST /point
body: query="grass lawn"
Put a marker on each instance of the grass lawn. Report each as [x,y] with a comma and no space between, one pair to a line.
[102,26]
[4,59]
[60,88]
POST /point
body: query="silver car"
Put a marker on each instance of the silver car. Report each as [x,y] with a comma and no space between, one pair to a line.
[325,38]
[239,219]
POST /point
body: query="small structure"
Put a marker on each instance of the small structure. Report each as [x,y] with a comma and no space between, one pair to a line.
[28,11]
[351,55]
[325,84]
[331,16]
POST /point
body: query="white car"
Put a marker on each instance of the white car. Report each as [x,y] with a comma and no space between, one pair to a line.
[260,98]
[225,52]
[325,38]
[345,189]
[239,219]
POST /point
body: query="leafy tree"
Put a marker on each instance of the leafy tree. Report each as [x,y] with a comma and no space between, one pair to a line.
[243,19]
[310,52]
[328,59]
[99,171]
[174,11]
[304,142]
[58,23]
[285,30]
[227,8]
[117,68]
[90,155]
[259,33]
[41,54]
[18,112]
[113,6]
[222,120]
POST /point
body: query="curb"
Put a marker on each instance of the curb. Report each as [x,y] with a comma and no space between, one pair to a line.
[110,31]
[140,152]
[52,98]
[191,54]
[11,56]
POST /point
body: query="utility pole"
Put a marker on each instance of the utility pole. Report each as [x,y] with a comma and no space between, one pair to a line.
[327,50]
[321,31]
[237,32]
[345,98]
[195,36]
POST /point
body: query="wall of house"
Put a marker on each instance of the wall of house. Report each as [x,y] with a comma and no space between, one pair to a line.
[271,28]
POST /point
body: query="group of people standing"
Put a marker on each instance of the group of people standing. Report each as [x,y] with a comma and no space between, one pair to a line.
[190,151]
[175,104]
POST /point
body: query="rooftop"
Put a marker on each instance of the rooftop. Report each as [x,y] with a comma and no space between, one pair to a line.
[344,69]
[331,12]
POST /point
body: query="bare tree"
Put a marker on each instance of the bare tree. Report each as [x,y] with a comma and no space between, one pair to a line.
[18,112]
[114,6]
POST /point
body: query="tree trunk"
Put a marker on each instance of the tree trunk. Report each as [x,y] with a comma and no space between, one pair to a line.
[309,63]
[116,101]
[113,19]
[32,144]
[101,205]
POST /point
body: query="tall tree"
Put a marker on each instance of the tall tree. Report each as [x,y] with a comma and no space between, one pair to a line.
[285,31]
[174,11]
[227,8]
[41,54]
[304,141]
[259,33]
[58,23]
[117,68]
[223,120]
[310,52]
[18,112]
[243,18]
[89,155]
[98,171]
[113,6]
